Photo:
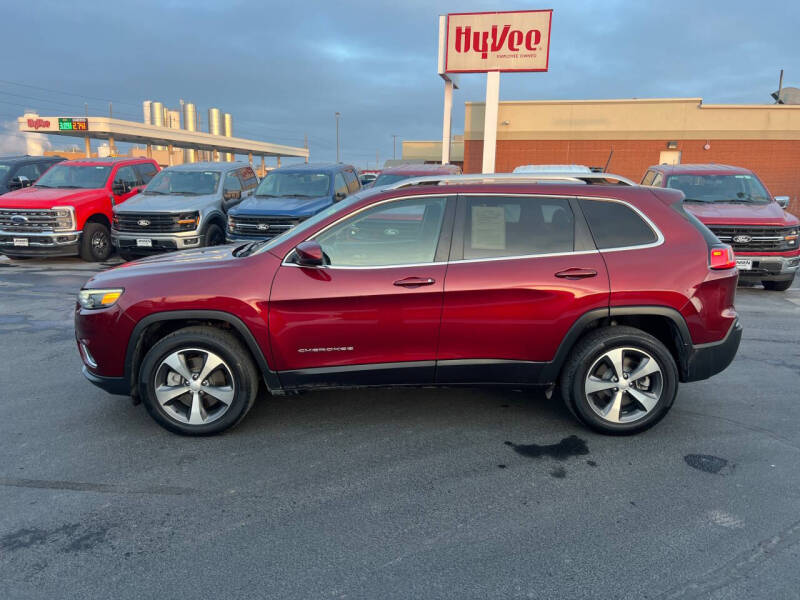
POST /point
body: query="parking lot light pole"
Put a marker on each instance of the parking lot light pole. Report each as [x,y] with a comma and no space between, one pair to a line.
[338,154]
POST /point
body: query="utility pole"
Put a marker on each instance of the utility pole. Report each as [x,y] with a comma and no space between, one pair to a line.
[338,153]
[394,146]
[305,145]
[377,163]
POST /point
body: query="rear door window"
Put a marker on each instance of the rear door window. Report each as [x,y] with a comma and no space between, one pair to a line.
[616,225]
[517,226]
[648,178]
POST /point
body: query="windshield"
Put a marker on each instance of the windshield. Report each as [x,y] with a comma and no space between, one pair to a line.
[192,183]
[75,176]
[720,188]
[279,184]
[387,179]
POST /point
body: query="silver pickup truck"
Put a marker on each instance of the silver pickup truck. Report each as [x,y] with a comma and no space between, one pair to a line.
[182,207]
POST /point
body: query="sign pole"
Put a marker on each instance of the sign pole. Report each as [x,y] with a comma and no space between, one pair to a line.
[490,121]
[447,121]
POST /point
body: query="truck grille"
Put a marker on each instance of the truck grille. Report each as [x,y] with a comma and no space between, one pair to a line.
[146,222]
[18,220]
[266,227]
[753,239]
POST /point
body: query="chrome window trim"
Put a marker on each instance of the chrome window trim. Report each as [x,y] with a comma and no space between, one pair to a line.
[659,236]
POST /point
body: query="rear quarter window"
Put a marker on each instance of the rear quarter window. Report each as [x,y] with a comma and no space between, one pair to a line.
[616,225]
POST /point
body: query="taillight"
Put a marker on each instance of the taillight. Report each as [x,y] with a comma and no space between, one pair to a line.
[722,257]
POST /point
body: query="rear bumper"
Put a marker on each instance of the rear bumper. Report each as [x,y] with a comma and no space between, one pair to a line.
[60,243]
[706,360]
[113,385]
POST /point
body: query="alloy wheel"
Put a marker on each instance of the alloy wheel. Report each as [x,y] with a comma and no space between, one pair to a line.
[194,386]
[624,385]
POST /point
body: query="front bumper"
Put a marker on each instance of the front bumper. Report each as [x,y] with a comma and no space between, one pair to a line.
[770,268]
[113,385]
[162,242]
[706,360]
[40,243]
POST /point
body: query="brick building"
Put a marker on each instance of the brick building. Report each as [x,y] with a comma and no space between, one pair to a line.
[764,138]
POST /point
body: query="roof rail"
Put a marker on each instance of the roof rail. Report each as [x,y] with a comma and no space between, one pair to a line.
[583,178]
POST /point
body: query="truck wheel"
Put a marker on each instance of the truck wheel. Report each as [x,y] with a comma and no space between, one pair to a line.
[619,380]
[95,243]
[778,286]
[213,236]
[198,381]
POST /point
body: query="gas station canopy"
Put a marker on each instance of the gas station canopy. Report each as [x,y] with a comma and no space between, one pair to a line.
[118,130]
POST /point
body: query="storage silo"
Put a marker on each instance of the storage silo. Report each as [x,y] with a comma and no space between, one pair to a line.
[158,114]
[190,124]
[147,110]
[228,132]
[215,125]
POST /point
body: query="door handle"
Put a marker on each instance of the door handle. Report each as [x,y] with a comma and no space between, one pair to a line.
[412,282]
[576,273]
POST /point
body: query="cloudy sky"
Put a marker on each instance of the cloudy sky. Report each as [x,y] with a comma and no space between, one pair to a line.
[284,68]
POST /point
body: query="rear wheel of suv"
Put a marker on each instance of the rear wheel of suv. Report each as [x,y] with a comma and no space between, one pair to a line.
[198,381]
[619,380]
[95,242]
[213,236]
[778,286]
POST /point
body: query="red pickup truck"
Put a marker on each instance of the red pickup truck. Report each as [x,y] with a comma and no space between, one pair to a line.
[734,204]
[68,210]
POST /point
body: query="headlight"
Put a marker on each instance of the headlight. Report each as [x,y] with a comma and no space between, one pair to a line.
[231,225]
[65,218]
[91,299]
[188,221]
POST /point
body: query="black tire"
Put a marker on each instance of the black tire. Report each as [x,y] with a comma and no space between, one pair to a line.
[589,350]
[95,243]
[778,286]
[225,345]
[214,235]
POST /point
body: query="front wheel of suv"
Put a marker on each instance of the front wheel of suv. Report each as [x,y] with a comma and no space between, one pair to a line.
[619,380]
[198,381]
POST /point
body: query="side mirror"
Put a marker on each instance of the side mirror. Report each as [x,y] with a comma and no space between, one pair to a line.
[339,196]
[17,183]
[232,194]
[783,201]
[309,254]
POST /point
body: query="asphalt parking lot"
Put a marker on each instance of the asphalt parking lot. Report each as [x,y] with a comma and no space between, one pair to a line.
[460,493]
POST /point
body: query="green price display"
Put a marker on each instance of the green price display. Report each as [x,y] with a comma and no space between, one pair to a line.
[67,124]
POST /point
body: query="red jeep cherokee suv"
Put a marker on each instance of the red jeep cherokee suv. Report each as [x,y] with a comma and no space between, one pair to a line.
[68,210]
[588,281]
[739,210]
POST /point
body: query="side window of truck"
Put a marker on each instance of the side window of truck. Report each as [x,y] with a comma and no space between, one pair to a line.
[249,179]
[146,172]
[232,182]
[352,182]
[648,178]
[127,176]
[339,185]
